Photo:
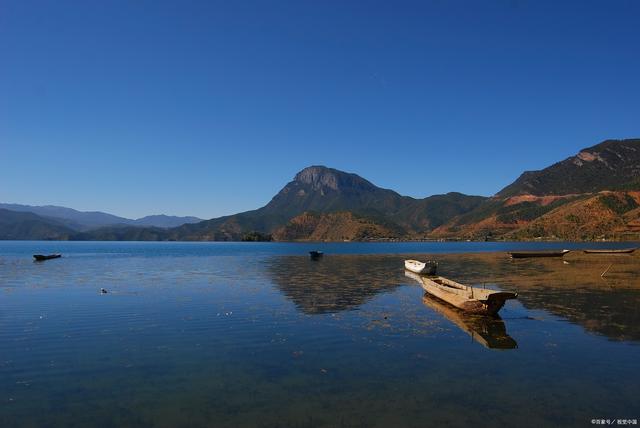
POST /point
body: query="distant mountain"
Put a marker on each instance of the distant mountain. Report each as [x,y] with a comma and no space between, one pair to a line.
[601,215]
[86,220]
[318,190]
[163,221]
[322,189]
[338,226]
[23,225]
[610,165]
[78,220]
[592,195]
[122,233]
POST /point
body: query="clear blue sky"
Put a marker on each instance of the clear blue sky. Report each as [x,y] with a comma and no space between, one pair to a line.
[209,108]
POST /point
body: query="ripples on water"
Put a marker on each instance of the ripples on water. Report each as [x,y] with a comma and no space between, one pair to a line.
[259,335]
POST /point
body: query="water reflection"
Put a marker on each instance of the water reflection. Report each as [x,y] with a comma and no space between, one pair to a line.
[335,283]
[576,291]
[216,341]
[490,332]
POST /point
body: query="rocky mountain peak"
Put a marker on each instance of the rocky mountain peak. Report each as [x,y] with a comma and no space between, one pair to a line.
[320,178]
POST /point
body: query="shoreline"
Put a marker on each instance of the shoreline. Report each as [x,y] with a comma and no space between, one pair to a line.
[366,241]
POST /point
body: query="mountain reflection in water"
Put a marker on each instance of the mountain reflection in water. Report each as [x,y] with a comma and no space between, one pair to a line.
[335,283]
[574,290]
[228,335]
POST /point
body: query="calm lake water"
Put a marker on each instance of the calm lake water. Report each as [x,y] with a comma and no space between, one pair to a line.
[256,334]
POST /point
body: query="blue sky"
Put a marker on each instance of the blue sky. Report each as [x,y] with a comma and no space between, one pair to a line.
[209,108]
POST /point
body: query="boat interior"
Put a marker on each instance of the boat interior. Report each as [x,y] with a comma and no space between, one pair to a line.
[469,292]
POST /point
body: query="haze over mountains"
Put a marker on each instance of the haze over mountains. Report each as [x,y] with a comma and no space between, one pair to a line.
[594,194]
[77,221]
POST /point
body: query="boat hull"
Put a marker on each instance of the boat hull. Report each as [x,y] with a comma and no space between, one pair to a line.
[529,254]
[481,308]
[624,251]
[41,257]
[468,299]
[428,268]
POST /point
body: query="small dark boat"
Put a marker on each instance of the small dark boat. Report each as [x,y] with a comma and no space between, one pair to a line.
[42,257]
[623,251]
[315,255]
[527,254]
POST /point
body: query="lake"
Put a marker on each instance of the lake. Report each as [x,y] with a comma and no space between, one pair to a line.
[257,334]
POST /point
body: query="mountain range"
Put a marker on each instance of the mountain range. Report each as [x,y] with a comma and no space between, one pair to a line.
[86,220]
[592,195]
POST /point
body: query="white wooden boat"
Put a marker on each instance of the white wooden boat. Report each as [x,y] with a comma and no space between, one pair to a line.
[428,268]
[470,299]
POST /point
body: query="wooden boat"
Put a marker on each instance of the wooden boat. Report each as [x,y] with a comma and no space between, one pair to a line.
[473,300]
[428,268]
[42,257]
[490,332]
[315,255]
[527,254]
[623,251]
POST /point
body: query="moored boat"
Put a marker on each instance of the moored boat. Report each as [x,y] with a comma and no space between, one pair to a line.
[422,268]
[315,255]
[473,300]
[42,257]
[527,254]
[622,251]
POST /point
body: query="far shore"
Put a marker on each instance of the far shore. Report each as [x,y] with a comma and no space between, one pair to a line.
[381,240]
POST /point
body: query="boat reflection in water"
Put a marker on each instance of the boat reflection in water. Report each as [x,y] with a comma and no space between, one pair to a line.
[490,332]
